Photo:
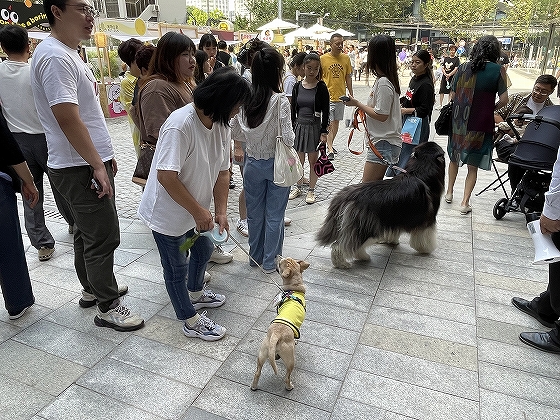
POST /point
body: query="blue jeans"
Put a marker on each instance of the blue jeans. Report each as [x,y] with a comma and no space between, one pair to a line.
[180,274]
[266,204]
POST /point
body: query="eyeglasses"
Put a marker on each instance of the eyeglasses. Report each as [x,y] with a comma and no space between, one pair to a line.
[540,91]
[85,9]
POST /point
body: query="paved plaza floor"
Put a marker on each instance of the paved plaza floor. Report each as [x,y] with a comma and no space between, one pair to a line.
[405,336]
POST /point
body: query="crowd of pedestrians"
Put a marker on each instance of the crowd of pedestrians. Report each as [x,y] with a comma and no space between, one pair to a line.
[200,109]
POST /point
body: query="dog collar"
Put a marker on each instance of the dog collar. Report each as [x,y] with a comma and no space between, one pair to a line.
[286,296]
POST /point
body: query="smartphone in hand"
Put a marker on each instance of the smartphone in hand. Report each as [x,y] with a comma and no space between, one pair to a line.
[96,185]
[344,98]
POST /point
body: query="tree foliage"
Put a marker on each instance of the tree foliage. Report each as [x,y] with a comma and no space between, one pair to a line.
[460,18]
[527,13]
[457,17]
[199,17]
[341,12]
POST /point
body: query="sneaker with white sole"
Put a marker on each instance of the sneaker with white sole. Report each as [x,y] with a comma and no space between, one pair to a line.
[88,299]
[296,192]
[243,227]
[310,199]
[219,256]
[19,314]
[119,318]
[45,253]
[209,299]
[205,329]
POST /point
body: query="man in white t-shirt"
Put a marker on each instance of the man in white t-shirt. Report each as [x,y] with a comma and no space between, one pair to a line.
[81,160]
[19,110]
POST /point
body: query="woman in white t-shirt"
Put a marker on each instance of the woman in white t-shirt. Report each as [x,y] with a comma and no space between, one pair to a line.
[189,168]
[383,109]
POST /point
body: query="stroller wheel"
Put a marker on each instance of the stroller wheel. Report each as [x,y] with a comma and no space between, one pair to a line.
[500,208]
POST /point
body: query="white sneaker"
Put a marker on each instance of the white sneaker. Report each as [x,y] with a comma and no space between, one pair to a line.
[209,299]
[205,329]
[296,192]
[243,227]
[310,199]
[119,318]
[219,256]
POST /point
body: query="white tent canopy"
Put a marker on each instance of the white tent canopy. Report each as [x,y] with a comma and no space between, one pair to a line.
[38,35]
[344,32]
[317,29]
[299,33]
[277,24]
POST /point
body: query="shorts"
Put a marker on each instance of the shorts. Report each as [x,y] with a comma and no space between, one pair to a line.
[443,89]
[336,111]
[389,151]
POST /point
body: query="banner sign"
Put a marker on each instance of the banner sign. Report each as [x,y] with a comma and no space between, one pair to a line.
[122,26]
[25,14]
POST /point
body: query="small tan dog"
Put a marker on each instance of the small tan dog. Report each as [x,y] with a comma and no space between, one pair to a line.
[284,329]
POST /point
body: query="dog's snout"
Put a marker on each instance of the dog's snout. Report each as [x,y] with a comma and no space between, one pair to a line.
[277,261]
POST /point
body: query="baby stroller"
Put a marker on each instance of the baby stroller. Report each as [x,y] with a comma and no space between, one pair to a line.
[535,154]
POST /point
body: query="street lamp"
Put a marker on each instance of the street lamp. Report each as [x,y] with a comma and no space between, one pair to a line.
[320,19]
[298,14]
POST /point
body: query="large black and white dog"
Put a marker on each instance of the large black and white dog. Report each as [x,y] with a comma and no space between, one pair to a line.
[380,211]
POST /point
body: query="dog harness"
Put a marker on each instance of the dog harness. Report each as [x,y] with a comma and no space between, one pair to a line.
[291,311]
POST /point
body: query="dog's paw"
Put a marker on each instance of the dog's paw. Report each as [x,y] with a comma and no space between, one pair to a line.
[362,255]
[342,264]
[337,258]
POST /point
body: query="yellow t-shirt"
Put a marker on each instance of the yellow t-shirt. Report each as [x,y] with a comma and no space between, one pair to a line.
[127,92]
[335,70]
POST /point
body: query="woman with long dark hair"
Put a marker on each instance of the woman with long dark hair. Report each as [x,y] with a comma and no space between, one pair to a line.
[473,91]
[418,100]
[257,125]
[310,115]
[383,109]
[203,68]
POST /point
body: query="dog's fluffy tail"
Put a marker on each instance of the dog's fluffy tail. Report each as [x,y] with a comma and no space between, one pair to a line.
[272,351]
[330,229]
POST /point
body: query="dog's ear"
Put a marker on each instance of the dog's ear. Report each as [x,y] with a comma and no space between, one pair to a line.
[302,265]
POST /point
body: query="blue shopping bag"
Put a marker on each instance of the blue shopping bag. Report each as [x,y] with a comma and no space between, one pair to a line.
[411,129]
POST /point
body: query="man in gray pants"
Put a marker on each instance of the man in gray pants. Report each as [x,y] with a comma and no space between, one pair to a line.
[19,110]
[81,157]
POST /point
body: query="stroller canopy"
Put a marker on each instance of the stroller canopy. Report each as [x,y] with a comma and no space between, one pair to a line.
[538,147]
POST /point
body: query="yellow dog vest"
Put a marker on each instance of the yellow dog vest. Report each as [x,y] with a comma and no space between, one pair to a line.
[291,311]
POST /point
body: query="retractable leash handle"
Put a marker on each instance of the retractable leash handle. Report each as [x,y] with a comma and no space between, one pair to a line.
[214,235]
